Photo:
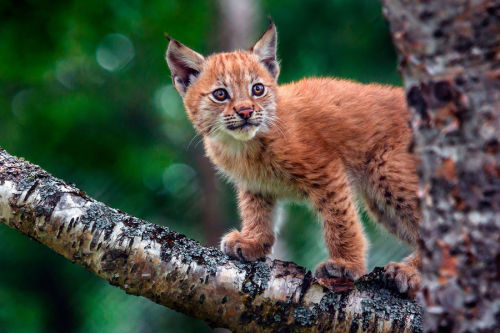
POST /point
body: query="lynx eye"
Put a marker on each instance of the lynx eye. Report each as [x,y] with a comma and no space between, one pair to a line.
[258,89]
[220,94]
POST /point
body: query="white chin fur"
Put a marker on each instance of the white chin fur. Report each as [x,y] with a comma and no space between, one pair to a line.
[244,134]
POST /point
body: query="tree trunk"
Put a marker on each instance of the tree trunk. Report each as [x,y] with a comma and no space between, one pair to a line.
[236,28]
[449,55]
[152,261]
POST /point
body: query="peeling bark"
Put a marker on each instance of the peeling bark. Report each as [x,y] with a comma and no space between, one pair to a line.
[449,54]
[152,261]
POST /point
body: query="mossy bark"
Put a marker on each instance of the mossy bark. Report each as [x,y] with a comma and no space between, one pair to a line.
[449,56]
[152,261]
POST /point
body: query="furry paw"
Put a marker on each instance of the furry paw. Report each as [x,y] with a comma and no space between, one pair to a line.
[407,278]
[245,248]
[338,268]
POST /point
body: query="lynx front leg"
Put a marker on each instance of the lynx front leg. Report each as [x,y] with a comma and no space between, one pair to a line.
[342,229]
[257,236]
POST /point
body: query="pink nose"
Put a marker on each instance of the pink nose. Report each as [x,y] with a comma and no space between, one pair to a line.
[244,112]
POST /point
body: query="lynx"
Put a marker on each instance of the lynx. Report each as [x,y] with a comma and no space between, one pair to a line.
[320,140]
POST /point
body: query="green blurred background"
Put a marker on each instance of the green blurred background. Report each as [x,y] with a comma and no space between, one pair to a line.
[86,94]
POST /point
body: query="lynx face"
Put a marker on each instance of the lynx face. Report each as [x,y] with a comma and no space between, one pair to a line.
[228,95]
[233,95]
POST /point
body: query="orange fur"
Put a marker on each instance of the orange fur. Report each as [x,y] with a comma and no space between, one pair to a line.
[322,140]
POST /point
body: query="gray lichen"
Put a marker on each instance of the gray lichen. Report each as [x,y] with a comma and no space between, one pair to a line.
[158,263]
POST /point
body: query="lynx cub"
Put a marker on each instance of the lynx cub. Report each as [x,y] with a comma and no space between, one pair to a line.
[322,140]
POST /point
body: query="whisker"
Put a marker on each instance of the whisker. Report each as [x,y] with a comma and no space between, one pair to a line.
[199,135]
[272,120]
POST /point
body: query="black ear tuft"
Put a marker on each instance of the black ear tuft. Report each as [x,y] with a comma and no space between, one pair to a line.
[271,23]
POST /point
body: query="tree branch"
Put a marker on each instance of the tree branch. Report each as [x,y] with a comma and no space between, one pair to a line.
[152,261]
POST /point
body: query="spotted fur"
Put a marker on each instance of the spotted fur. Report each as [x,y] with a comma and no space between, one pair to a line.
[322,140]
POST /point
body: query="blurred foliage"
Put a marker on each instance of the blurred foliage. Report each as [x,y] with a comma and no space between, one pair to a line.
[86,94]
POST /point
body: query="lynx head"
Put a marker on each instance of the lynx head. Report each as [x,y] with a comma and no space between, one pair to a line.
[228,95]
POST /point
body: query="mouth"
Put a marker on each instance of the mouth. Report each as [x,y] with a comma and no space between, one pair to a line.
[242,126]
[243,131]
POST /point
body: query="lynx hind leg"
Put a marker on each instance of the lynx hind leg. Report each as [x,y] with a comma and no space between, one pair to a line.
[391,194]
[391,198]
[405,275]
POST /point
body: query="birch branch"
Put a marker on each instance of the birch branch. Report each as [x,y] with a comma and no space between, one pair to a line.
[149,260]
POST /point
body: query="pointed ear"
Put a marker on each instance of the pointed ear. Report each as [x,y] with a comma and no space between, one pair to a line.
[184,63]
[266,49]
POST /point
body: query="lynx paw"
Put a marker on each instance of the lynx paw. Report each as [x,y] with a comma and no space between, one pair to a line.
[407,278]
[245,249]
[338,268]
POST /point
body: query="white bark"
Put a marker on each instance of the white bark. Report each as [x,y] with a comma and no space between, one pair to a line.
[168,268]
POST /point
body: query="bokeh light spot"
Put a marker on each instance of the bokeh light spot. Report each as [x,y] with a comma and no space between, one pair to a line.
[180,180]
[20,103]
[114,52]
[168,101]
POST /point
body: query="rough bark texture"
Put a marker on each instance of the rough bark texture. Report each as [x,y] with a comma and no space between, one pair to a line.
[449,53]
[152,261]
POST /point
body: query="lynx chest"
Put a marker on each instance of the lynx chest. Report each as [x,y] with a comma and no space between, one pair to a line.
[254,169]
